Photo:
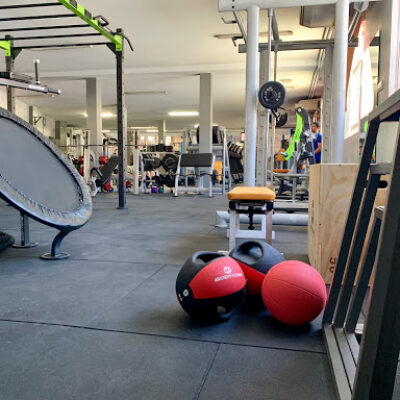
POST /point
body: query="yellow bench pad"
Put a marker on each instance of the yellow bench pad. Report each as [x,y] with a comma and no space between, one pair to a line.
[252,193]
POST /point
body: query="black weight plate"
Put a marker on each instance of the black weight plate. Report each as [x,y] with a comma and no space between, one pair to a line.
[169,180]
[281,118]
[170,161]
[272,95]
[156,163]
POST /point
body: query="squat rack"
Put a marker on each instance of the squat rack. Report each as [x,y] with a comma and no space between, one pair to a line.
[13,45]
[114,40]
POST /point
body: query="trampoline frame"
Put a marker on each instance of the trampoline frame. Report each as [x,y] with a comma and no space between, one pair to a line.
[64,221]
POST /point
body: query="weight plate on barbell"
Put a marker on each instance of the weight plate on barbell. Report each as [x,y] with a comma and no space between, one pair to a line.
[170,161]
[272,95]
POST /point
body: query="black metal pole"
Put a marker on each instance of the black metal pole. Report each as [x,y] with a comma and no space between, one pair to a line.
[121,126]
[24,220]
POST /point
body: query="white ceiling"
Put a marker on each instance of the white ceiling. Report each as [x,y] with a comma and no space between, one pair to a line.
[174,42]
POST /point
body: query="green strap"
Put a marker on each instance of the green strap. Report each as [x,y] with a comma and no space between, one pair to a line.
[6,46]
[296,137]
[80,12]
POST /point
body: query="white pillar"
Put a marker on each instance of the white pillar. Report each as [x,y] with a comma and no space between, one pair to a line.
[161,131]
[253,20]
[206,113]
[93,110]
[339,80]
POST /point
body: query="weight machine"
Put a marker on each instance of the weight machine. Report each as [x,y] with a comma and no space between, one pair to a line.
[336,69]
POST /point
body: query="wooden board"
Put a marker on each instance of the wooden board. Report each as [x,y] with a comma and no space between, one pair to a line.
[331,188]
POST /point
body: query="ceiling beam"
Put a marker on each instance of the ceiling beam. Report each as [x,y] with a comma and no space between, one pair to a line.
[242,5]
[303,45]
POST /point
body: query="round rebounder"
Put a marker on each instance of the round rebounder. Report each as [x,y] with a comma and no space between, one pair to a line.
[256,259]
[294,292]
[210,286]
[38,180]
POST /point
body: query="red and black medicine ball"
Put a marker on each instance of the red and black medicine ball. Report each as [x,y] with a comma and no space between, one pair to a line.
[256,259]
[210,286]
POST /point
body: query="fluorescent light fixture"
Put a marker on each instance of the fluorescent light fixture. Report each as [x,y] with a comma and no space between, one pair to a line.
[152,130]
[183,114]
[107,115]
[103,115]
[106,131]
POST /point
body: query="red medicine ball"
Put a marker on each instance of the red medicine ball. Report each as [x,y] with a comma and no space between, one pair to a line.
[210,286]
[256,259]
[294,292]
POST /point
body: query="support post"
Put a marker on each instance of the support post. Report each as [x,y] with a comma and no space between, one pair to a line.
[206,119]
[162,128]
[339,80]
[327,107]
[253,20]
[94,120]
[206,113]
[121,126]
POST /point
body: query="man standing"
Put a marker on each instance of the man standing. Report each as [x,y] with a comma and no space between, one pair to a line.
[317,138]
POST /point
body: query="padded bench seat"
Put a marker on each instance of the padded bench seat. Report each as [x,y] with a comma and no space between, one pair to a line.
[250,201]
[251,193]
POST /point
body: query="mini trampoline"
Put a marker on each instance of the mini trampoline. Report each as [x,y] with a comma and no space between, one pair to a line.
[38,180]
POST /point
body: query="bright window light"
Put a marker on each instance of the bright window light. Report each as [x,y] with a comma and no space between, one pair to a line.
[183,114]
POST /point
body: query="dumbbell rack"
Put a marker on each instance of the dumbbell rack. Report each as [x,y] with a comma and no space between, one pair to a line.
[368,370]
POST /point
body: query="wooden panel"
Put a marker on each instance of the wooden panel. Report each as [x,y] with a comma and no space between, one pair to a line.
[331,191]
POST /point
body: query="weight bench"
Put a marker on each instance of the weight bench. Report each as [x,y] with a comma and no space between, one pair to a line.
[103,175]
[250,201]
[199,160]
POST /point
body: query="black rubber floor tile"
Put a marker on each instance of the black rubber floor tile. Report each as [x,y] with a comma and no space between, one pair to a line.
[153,308]
[57,363]
[261,374]
[64,292]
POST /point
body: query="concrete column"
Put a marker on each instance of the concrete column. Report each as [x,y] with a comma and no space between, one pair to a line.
[60,136]
[206,113]
[252,67]
[94,109]
[162,129]
[339,80]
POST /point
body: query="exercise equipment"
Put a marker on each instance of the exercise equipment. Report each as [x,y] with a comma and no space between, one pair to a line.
[101,177]
[5,241]
[170,162]
[250,201]
[39,181]
[294,292]
[256,259]
[272,95]
[210,286]
[281,117]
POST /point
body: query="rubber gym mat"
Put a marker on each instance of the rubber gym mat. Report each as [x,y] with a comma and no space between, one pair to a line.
[153,308]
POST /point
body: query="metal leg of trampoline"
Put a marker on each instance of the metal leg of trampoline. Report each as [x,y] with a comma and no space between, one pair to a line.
[25,240]
[55,248]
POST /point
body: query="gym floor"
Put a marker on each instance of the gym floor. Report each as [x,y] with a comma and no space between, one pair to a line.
[106,324]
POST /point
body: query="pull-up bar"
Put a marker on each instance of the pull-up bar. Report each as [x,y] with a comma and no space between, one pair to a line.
[34,5]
